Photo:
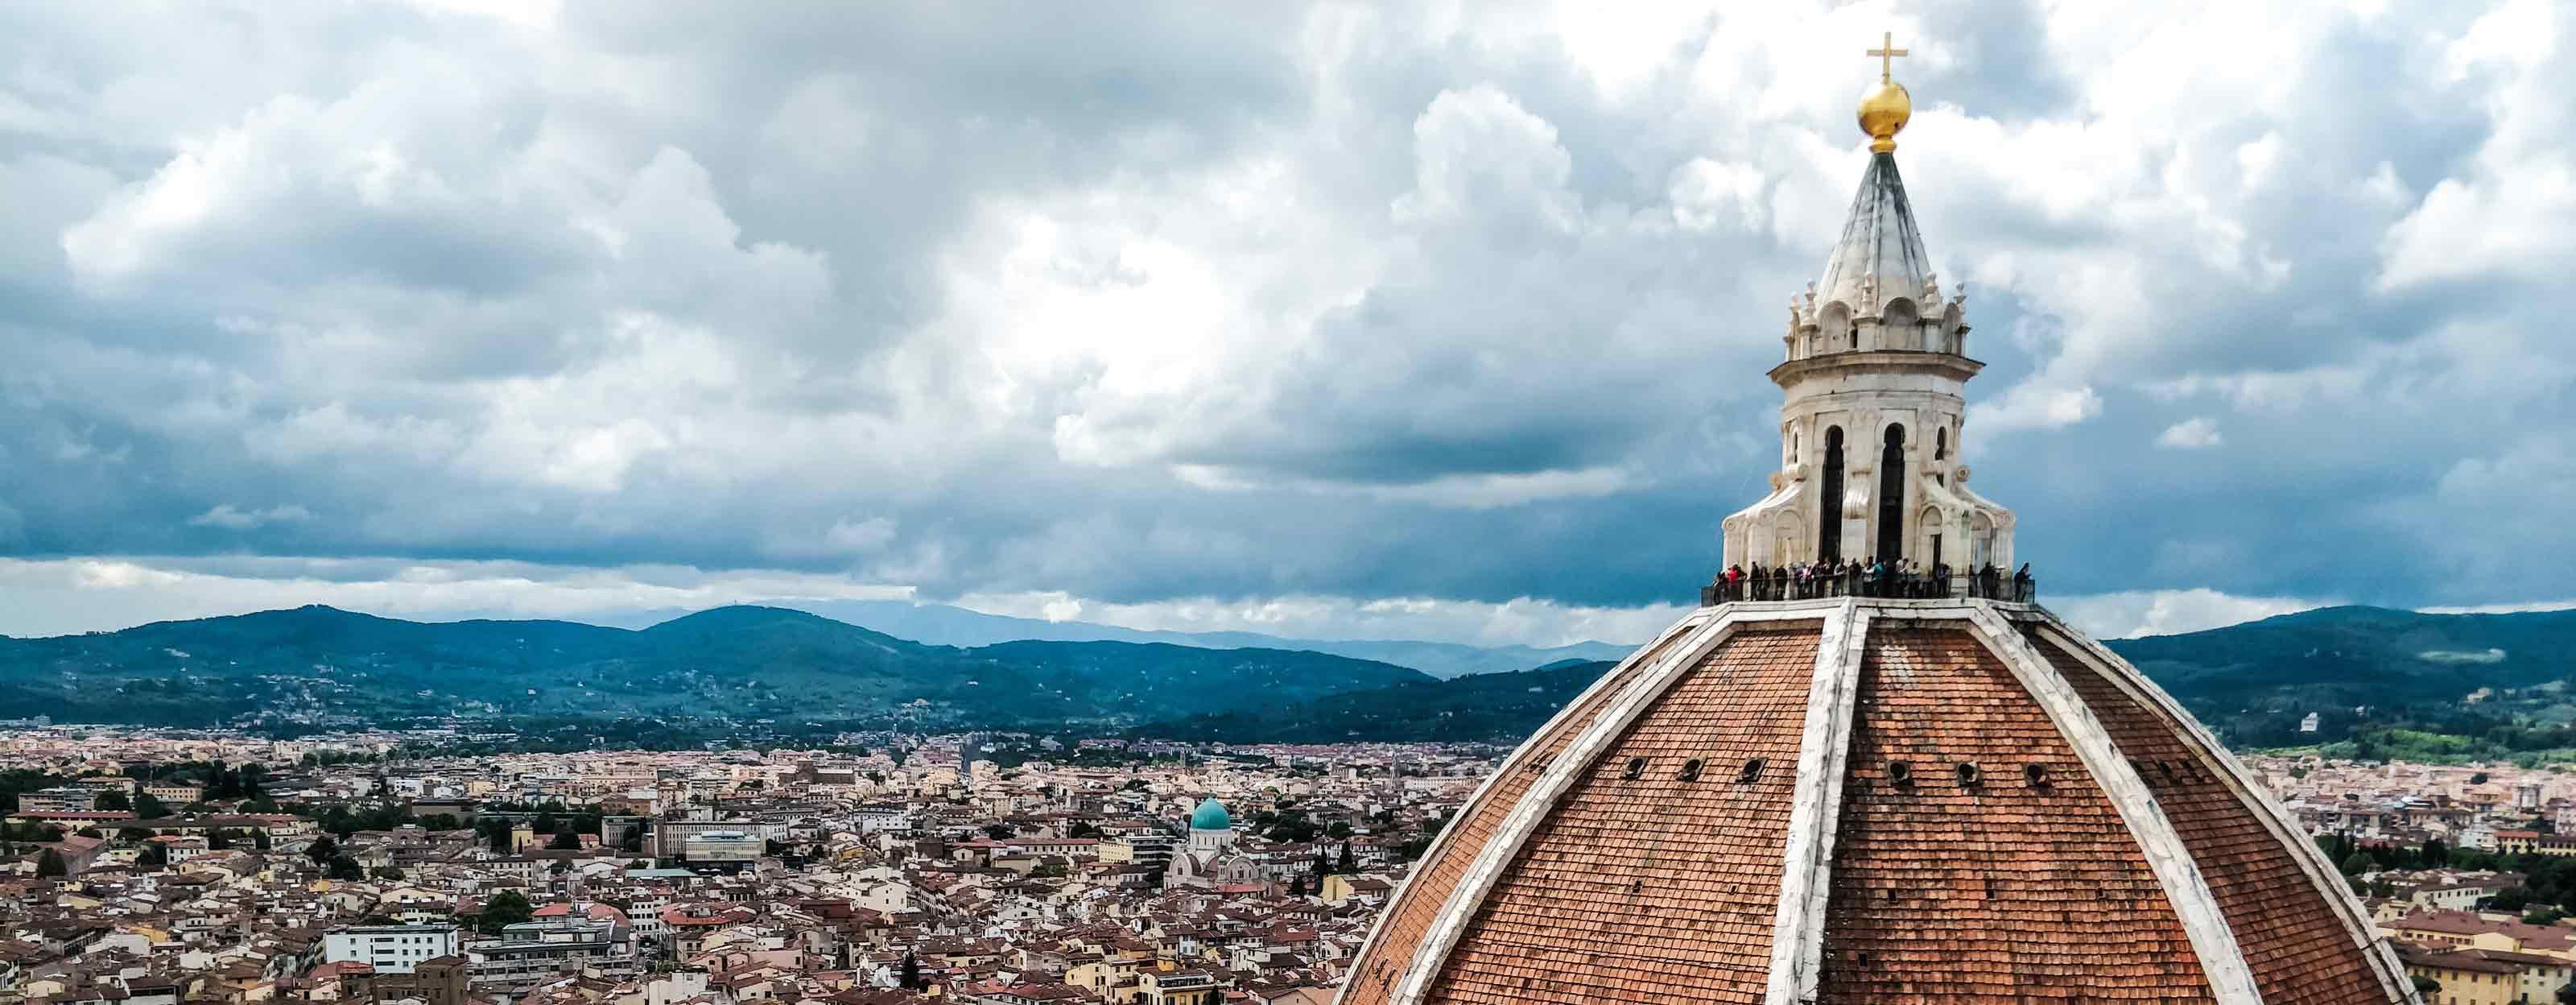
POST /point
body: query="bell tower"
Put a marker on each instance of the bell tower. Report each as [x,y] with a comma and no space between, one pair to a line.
[1873,408]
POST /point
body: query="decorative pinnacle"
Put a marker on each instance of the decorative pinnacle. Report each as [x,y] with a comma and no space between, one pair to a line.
[1886,110]
[1886,53]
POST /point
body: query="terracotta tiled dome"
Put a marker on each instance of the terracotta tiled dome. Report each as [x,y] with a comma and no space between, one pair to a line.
[1873,801]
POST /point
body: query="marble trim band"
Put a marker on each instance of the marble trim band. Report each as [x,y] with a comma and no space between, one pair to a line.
[2214,757]
[1510,764]
[1505,843]
[1824,749]
[2231,982]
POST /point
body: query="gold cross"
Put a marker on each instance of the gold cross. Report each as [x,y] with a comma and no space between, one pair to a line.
[1886,53]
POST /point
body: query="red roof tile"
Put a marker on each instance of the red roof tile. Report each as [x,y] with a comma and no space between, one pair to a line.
[2291,939]
[1401,928]
[2001,892]
[1655,889]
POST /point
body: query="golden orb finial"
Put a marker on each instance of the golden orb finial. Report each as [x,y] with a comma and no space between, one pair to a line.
[1885,110]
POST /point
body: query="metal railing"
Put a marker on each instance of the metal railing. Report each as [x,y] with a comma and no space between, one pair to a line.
[1989,583]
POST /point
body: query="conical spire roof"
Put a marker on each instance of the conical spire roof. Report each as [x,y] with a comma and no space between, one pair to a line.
[1880,256]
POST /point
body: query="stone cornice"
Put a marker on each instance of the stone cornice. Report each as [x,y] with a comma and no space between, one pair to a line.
[1881,360]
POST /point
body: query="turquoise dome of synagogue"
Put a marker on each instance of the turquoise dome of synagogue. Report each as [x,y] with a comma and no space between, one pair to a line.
[1210,816]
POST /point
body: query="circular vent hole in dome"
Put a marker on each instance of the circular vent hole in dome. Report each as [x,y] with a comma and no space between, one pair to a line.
[1900,772]
[1636,768]
[1969,776]
[2037,774]
[1691,769]
[1752,771]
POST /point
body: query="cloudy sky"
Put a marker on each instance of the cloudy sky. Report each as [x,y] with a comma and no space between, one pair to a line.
[1415,320]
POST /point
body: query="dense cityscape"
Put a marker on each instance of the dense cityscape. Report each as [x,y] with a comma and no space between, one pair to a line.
[685,504]
[155,868]
[152,867]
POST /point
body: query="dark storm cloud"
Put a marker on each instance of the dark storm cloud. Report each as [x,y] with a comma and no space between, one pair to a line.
[1147,304]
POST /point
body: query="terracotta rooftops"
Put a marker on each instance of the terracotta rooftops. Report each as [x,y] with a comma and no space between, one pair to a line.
[2490,961]
[1873,801]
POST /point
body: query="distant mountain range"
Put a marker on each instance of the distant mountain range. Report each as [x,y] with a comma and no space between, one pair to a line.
[2368,666]
[947,625]
[2355,667]
[738,672]
[1500,707]
[715,671]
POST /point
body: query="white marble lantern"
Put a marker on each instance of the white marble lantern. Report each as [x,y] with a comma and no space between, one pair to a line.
[1873,411]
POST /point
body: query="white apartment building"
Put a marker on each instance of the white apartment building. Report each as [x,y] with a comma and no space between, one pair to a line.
[391,949]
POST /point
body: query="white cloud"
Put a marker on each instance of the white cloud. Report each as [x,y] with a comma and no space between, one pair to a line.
[1479,152]
[1707,194]
[865,535]
[2195,433]
[2258,158]
[2133,613]
[1522,621]
[845,538]
[1477,491]
[2032,407]
[2514,210]
[2520,607]
[230,517]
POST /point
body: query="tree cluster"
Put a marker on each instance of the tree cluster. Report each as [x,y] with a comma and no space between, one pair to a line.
[504,909]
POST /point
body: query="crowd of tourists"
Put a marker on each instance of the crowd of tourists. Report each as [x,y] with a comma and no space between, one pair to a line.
[1902,579]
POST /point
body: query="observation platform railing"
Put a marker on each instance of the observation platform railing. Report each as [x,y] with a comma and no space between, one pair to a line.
[1783,584]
